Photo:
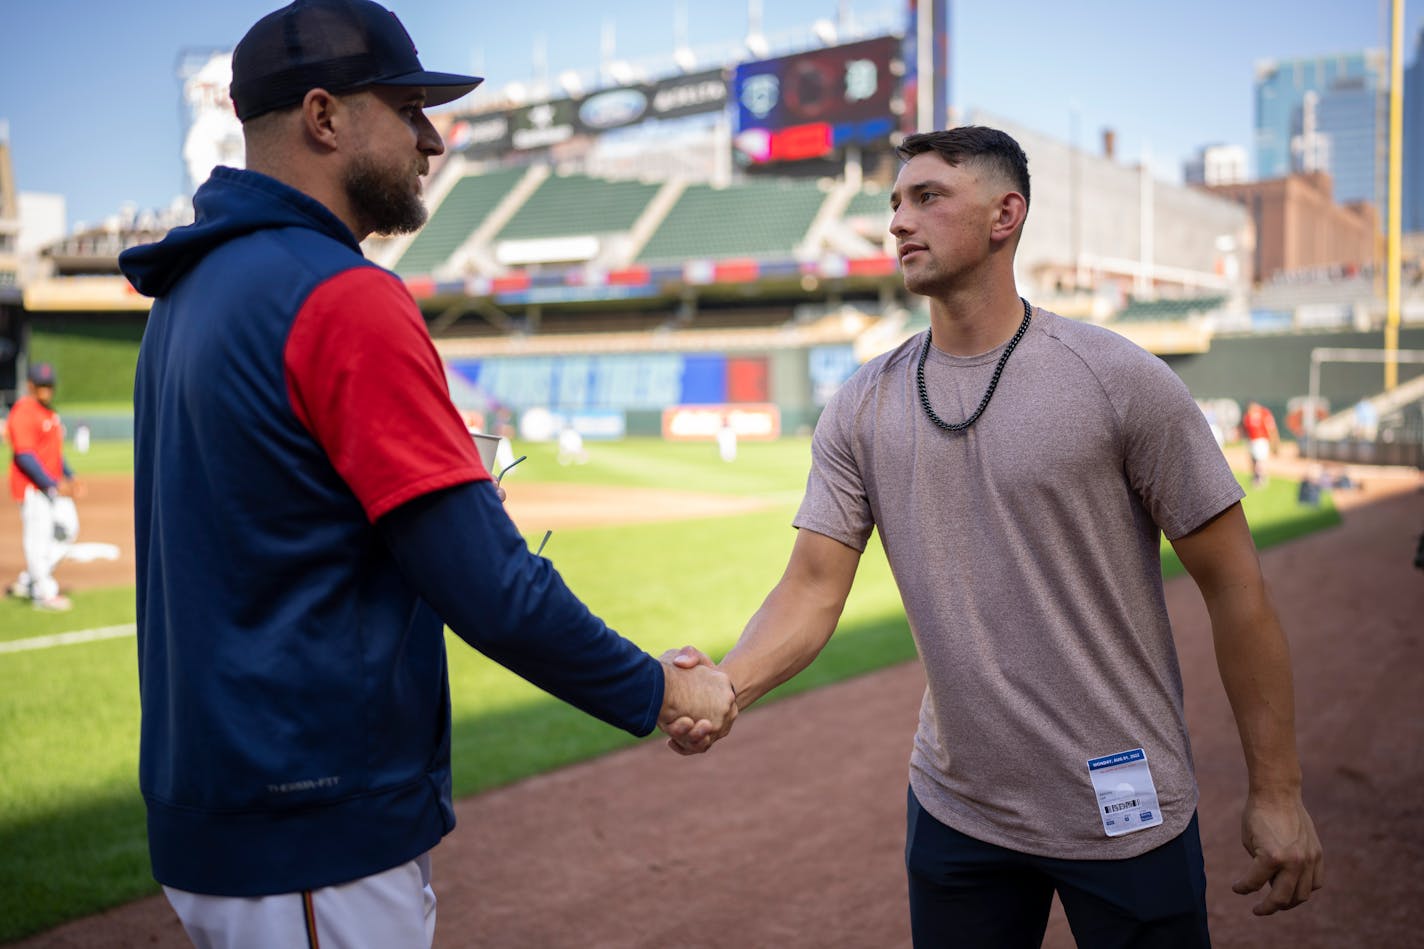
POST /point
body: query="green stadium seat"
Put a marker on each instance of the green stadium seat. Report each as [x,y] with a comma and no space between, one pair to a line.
[1167,310]
[467,204]
[577,204]
[751,219]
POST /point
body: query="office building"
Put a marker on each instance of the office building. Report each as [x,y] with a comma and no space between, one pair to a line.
[1216,165]
[1351,117]
[1412,194]
[1324,114]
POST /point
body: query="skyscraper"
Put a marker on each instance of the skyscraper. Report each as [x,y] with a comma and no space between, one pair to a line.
[1412,194]
[1351,116]
[1323,111]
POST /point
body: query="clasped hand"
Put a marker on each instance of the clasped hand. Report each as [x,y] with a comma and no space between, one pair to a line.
[699,703]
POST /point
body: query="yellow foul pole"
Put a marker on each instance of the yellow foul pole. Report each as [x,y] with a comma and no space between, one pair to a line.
[1396,176]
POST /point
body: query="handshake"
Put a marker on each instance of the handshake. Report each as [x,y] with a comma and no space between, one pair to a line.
[699,702]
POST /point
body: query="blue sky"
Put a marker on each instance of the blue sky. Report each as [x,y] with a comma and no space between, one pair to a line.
[88,88]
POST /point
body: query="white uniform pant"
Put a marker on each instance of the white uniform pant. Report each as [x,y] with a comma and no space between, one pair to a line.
[394,909]
[48,530]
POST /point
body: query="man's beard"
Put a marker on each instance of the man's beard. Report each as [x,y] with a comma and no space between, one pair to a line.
[383,198]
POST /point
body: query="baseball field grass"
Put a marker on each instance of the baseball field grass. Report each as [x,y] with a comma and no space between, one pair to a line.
[71,821]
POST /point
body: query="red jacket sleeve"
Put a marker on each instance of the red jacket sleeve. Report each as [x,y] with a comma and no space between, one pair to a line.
[366,381]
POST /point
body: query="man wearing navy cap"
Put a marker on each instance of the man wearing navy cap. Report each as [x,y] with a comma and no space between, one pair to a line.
[310,511]
[43,485]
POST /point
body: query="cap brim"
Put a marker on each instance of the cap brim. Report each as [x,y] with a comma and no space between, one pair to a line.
[440,87]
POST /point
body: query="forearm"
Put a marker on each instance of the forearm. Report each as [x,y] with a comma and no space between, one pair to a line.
[772,650]
[1276,829]
[790,629]
[461,553]
[30,466]
[1253,658]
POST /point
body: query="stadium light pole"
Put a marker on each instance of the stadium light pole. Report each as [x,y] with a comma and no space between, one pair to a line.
[924,63]
[1396,176]
[756,40]
[1074,197]
[1145,284]
[608,49]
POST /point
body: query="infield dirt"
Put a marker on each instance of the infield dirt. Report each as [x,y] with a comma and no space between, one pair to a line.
[106,515]
[789,834]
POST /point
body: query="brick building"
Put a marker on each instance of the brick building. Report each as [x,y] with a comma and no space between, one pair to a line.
[1299,227]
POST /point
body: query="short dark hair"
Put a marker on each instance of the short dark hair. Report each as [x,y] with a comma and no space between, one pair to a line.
[977,143]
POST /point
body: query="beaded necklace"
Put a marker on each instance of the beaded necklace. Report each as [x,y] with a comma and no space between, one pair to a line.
[993,383]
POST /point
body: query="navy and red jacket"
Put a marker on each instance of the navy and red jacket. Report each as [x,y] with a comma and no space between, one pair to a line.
[309,509]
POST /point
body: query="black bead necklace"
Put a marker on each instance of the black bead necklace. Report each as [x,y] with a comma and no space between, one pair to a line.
[993,383]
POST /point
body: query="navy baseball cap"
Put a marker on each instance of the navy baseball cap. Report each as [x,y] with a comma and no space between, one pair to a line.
[336,45]
[42,374]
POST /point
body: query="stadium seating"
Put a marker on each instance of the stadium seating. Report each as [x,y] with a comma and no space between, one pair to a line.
[870,204]
[578,204]
[455,219]
[1164,310]
[755,219]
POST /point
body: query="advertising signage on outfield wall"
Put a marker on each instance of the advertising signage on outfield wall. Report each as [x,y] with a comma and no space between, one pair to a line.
[547,124]
[806,105]
[688,423]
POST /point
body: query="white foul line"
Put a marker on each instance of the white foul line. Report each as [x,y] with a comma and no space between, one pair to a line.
[69,639]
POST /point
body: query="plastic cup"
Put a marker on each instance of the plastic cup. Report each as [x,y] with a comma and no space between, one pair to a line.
[487,445]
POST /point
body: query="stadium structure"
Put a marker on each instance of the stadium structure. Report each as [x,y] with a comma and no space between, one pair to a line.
[665,249]
[11,297]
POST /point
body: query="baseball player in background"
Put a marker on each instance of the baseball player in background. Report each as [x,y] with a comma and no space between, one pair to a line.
[44,486]
[1259,426]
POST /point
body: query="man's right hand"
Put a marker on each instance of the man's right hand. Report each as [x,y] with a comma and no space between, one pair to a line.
[699,704]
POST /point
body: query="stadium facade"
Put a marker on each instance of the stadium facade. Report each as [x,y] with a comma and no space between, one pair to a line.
[11,299]
[658,252]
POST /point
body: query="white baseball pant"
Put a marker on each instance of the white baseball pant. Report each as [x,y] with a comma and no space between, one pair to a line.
[48,530]
[393,908]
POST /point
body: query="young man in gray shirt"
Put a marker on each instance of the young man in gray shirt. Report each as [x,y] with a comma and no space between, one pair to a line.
[1020,468]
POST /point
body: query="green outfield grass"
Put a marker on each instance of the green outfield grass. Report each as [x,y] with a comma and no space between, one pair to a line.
[102,458]
[71,822]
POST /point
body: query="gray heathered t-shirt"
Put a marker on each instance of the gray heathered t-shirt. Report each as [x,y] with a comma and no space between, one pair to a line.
[1026,553]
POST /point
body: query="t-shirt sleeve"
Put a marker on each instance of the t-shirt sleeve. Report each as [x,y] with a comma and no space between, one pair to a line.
[836,502]
[1172,459]
[366,381]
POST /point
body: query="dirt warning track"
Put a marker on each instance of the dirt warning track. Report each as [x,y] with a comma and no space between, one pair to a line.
[789,834]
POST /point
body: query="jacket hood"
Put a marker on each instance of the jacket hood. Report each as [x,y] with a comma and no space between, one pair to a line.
[231,203]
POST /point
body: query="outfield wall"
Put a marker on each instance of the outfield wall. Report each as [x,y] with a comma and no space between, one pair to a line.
[95,354]
[1272,369]
[582,388]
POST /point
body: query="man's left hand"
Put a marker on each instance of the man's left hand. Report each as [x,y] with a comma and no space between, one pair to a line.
[1280,837]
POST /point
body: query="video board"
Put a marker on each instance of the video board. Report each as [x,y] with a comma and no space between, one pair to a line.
[808,104]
